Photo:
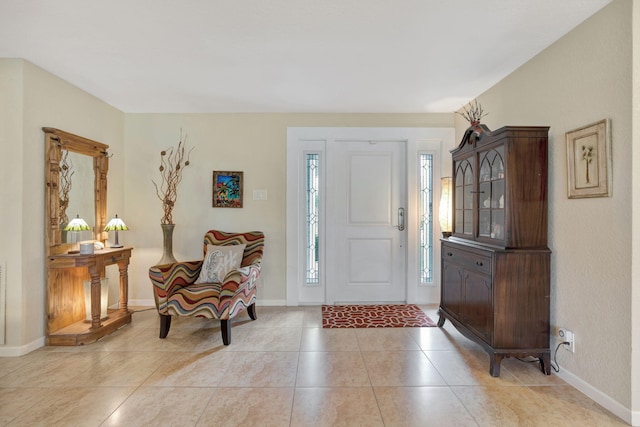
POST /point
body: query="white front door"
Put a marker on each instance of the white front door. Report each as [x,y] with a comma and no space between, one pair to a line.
[366,221]
[365,175]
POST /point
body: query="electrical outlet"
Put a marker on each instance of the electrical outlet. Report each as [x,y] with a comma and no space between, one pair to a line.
[565,335]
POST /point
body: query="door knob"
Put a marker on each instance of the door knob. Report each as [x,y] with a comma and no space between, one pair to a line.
[401,219]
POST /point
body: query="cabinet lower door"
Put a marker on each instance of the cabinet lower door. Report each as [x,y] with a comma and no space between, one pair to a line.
[452,298]
[477,309]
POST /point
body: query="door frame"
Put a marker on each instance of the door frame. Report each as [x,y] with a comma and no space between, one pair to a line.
[301,140]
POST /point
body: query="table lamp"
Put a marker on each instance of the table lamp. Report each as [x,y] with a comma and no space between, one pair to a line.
[76,225]
[116,224]
[445,214]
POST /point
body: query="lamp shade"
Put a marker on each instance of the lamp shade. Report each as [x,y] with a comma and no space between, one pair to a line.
[77,224]
[116,224]
[445,214]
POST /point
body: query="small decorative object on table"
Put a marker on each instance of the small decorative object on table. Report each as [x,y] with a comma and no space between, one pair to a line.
[86,248]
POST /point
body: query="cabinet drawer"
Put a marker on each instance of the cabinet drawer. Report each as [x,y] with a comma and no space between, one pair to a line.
[467,259]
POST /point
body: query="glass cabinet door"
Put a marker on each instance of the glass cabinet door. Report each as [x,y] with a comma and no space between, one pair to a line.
[491,194]
[464,201]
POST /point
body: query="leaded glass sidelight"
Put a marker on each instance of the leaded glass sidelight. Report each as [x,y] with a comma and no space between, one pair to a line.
[426,218]
[312,219]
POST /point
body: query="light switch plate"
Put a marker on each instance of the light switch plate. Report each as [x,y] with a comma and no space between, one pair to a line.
[259,194]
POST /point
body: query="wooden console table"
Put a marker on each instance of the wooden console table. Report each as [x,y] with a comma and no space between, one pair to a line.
[66,323]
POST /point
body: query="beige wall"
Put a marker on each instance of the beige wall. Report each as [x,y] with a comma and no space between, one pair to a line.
[36,99]
[635,159]
[581,79]
[12,194]
[252,143]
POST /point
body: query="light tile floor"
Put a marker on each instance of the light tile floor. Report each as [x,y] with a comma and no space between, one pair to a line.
[283,370]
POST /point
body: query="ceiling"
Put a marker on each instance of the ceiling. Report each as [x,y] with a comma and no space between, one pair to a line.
[195,56]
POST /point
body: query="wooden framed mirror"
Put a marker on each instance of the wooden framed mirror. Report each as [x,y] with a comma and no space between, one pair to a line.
[74,279]
[59,146]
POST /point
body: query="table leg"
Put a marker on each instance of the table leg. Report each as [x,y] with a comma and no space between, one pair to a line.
[124,284]
[95,298]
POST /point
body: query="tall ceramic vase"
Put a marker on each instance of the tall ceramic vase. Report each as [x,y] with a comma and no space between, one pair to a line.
[167,244]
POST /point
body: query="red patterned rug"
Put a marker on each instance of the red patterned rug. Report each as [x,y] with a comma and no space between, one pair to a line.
[374,316]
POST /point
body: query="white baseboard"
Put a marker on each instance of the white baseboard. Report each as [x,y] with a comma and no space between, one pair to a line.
[626,414]
[271,302]
[10,351]
[140,303]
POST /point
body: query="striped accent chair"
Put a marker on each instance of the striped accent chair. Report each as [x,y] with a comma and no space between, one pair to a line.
[177,294]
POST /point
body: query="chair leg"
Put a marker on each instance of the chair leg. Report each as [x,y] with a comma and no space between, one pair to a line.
[225,326]
[252,311]
[165,325]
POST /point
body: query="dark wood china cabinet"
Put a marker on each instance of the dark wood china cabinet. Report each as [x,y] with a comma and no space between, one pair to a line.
[496,264]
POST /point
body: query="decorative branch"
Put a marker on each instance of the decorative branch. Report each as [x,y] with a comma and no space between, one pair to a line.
[66,172]
[172,164]
[474,113]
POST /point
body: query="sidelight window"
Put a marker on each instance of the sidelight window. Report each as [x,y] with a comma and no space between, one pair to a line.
[426,218]
[312,219]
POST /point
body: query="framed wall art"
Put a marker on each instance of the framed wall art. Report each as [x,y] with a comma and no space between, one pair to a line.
[589,161]
[227,189]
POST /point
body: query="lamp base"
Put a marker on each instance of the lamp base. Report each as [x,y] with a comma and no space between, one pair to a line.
[116,244]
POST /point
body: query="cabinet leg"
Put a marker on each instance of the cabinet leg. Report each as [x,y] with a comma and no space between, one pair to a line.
[545,363]
[441,318]
[494,368]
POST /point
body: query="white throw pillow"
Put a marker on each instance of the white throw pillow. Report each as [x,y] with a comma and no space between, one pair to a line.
[219,261]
